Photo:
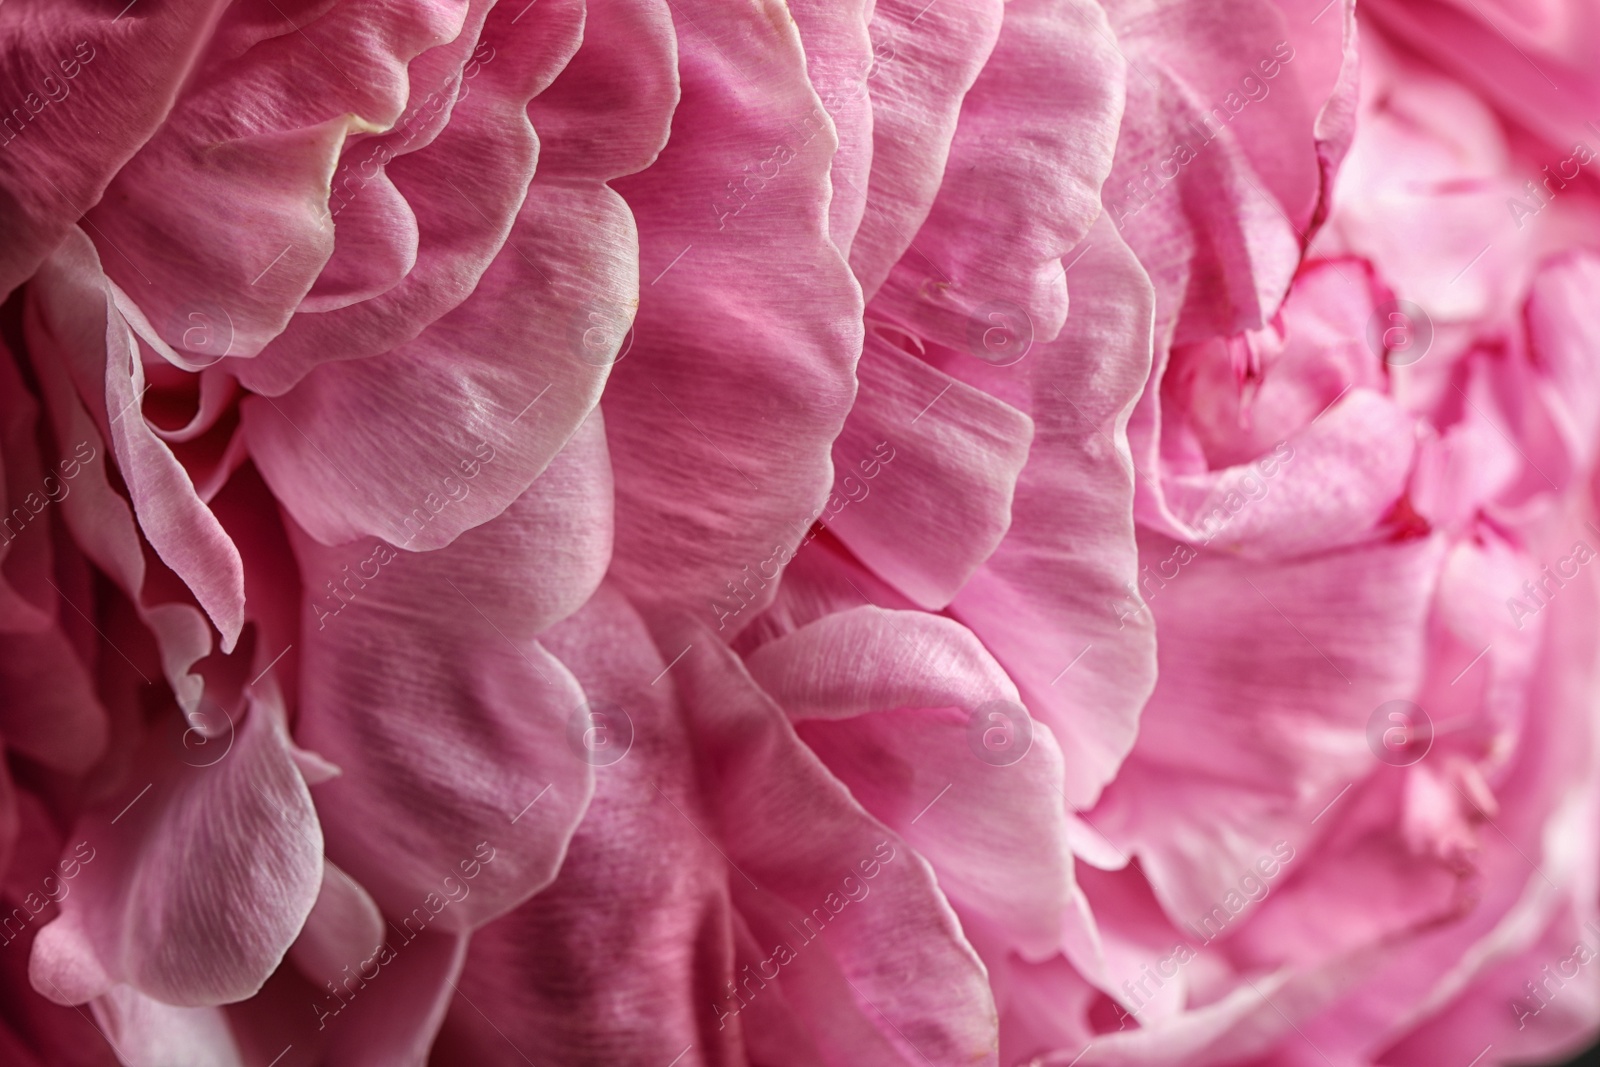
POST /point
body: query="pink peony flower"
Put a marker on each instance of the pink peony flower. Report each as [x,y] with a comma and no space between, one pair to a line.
[668,533]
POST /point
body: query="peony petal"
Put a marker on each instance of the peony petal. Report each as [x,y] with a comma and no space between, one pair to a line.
[620,960]
[751,286]
[993,829]
[1052,602]
[929,55]
[271,120]
[83,91]
[841,57]
[564,290]
[466,189]
[343,930]
[926,523]
[423,681]
[1033,145]
[1272,671]
[104,526]
[890,983]
[82,318]
[144,914]
[147,1033]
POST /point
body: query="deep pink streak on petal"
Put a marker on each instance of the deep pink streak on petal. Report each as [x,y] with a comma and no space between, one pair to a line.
[1034,143]
[749,322]
[924,473]
[84,320]
[466,188]
[124,78]
[929,56]
[424,681]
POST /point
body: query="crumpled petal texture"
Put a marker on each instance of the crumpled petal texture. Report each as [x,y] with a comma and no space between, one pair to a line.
[799,533]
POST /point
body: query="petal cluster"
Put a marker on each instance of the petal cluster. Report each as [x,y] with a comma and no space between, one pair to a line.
[817,533]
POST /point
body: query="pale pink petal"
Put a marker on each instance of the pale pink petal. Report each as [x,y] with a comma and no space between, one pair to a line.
[423,681]
[84,88]
[146,914]
[147,1033]
[751,287]
[466,188]
[271,121]
[1032,147]
[1052,603]
[895,983]
[622,958]
[841,58]
[924,472]
[993,828]
[1269,676]
[80,317]
[344,928]
[508,376]
[929,55]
